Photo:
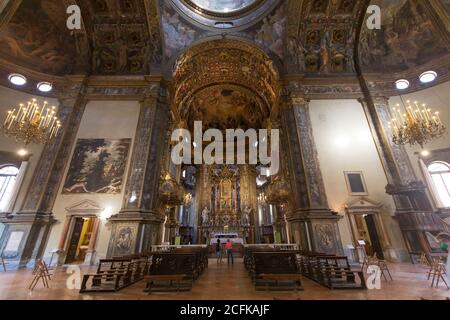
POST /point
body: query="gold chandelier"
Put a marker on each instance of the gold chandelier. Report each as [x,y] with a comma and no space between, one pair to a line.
[32,123]
[415,124]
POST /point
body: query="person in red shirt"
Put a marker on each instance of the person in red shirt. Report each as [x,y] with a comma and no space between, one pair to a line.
[229,248]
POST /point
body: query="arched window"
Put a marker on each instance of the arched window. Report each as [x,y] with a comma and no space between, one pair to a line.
[440,174]
[8,177]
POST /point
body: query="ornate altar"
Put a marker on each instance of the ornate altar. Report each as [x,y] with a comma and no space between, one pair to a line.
[226,207]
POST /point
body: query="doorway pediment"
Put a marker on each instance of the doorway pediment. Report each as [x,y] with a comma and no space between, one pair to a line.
[85,207]
[363,205]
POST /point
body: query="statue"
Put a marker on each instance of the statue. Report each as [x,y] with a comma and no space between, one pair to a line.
[205,215]
[246,215]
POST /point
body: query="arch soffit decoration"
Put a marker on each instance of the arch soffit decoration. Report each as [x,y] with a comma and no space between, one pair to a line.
[225,62]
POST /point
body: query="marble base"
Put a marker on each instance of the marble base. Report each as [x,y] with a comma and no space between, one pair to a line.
[24,238]
[90,258]
[134,233]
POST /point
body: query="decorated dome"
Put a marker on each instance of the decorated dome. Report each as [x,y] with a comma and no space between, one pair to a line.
[223,6]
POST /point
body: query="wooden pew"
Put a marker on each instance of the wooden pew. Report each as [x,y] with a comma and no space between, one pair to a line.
[334,272]
[274,270]
[115,274]
[331,271]
[175,268]
[172,271]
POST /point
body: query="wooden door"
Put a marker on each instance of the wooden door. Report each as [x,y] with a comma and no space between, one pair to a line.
[74,239]
[374,237]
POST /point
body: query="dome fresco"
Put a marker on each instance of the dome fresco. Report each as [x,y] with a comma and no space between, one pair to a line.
[223,6]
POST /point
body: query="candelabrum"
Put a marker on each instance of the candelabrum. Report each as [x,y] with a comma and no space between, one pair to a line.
[415,124]
[32,123]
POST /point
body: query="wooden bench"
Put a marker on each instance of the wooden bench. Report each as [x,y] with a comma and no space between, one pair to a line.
[176,270]
[334,272]
[274,270]
[115,274]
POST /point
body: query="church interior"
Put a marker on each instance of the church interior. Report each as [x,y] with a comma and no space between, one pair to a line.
[352,96]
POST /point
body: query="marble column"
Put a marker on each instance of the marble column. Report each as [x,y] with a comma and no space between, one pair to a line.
[314,226]
[32,224]
[139,224]
[203,199]
[414,211]
[249,198]
[172,226]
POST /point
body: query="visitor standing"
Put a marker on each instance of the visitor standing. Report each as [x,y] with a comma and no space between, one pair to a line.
[229,248]
[219,251]
[444,248]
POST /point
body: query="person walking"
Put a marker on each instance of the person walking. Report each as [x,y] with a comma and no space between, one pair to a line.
[219,251]
[229,248]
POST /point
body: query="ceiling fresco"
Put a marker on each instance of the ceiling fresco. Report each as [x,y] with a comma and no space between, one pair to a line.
[314,38]
[408,38]
[226,106]
[180,33]
[37,38]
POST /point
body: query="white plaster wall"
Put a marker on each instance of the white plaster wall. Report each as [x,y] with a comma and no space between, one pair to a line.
[102,119]
[344,143]
[10,99]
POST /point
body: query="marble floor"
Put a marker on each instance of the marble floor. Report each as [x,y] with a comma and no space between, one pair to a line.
[223,282]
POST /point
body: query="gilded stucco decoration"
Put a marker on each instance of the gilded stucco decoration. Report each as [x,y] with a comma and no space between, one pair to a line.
[321,35]
[222,72]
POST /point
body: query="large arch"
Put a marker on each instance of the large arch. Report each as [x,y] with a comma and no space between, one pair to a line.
[225,66]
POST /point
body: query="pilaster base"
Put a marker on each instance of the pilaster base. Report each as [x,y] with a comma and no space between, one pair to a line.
[316,230]
[89,259]
[24,238]
[134,232]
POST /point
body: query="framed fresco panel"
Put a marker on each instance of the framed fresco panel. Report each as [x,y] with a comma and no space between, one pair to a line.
[97,166]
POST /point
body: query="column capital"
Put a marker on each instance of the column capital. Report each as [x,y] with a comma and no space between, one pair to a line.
[72,90]
[299,100]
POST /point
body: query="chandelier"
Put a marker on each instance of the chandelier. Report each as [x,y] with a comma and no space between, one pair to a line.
[262,198]
[32,123]
[416,124]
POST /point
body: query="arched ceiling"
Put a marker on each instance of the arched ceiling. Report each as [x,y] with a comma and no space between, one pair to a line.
[227,83]
[307,38]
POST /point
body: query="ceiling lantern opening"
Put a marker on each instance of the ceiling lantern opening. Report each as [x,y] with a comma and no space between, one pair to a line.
[224,14]
[223,6]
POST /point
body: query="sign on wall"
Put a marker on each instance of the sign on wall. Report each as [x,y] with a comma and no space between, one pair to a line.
[97,166]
